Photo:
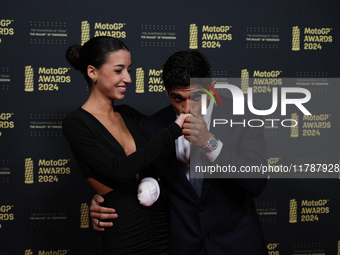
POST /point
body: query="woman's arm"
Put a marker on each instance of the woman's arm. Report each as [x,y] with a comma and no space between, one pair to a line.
[86,147]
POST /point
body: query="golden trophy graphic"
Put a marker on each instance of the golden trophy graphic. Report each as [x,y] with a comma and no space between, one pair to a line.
[294,131]
[29,171]
[139,80]
[84,215]
[193,41]
[28,252]
[29,79]
[296,39]
[244,81]
[293,211]
[85,32]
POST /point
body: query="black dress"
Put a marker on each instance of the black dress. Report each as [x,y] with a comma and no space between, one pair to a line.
[138,229]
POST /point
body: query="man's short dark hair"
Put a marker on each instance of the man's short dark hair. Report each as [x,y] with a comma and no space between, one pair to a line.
[182,66]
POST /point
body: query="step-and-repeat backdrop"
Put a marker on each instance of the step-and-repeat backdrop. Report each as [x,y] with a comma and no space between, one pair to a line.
[44,204]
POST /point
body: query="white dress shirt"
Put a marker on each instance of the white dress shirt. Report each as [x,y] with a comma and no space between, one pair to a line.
[183,145]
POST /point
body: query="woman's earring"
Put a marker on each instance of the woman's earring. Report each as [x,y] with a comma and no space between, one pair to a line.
[94,79]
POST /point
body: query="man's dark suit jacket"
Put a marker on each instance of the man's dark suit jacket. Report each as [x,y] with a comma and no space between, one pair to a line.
[224,221]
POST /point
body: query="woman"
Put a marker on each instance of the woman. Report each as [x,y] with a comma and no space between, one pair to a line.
[111,151]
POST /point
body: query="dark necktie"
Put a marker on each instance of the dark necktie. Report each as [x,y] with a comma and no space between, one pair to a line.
[196,178]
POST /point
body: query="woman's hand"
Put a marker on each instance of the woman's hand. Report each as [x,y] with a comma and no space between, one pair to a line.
[181,118]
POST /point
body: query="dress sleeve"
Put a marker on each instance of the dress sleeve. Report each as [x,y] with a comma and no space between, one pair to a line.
[119,169]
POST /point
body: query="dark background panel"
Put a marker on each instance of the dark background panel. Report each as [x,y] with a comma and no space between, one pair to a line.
[49,212]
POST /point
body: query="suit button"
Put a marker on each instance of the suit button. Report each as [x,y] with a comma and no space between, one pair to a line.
[201,208]
[206,238]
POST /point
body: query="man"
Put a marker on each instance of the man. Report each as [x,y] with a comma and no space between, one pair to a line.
[217,216]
